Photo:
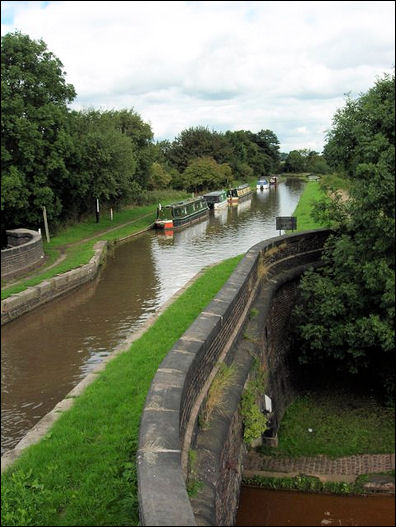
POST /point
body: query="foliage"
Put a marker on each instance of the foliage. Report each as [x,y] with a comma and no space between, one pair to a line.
[346,316]
[304,483]
[214,402]
[305,160]
[204,173]
[34,134]
[255,422]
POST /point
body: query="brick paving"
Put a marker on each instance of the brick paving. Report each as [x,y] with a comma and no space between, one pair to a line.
[345,466]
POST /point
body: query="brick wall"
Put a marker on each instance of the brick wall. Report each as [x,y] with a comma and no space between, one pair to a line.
[24,252]
[169,421]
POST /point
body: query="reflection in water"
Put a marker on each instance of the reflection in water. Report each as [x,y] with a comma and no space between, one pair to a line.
[47,352]
[268,507]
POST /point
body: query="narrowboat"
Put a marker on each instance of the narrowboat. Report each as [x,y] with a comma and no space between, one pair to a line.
[238,194]
[217,199]
[180,214]
[262,184]
[273,180]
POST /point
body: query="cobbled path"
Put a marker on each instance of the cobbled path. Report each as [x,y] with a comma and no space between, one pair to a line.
[349,465]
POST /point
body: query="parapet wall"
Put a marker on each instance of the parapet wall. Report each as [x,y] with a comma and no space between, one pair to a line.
[169,419]
[24,252]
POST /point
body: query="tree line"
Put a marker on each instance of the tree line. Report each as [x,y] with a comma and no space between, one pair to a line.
[346,317]
[64,160]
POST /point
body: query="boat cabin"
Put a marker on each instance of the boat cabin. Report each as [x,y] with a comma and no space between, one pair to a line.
[216,199]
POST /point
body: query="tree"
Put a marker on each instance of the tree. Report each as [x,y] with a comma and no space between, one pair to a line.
[104,161]
[203,173]
[346,317]
[295,162]
[34,134]
[197,142]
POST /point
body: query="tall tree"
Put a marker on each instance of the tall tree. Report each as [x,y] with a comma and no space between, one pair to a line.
[347,318]
[34,136]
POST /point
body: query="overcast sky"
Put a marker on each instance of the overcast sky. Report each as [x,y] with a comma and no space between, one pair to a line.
[283,66]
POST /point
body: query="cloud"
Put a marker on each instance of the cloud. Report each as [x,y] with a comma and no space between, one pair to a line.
[235,65]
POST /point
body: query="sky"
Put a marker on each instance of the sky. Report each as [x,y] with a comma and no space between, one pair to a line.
[225,65]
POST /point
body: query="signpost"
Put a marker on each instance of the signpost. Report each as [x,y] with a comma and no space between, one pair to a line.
[286,223]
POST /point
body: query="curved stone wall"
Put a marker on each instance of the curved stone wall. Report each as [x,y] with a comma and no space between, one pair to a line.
[24,252]
[169,419]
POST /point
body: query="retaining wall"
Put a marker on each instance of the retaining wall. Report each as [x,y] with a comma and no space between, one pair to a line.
[24,252]
[169,421]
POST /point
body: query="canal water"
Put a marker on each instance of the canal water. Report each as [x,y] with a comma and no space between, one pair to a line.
[269,507]
[47,352]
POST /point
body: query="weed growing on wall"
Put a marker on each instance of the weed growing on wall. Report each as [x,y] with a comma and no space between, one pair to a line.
[222,380]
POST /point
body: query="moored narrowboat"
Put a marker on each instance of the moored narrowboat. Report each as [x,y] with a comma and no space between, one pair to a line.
[262,184]
[217,199]
[238,194]
[180,214]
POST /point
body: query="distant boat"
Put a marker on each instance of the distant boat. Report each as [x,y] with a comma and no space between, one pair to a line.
[238,194]
[180,214]
[217,199]
[262,184]
[273,180]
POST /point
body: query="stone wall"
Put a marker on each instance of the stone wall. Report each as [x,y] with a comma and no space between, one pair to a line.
[32,297]
[24,252]
[169,421]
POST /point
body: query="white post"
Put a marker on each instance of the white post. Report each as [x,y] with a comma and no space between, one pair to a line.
[46,224]
[111,214]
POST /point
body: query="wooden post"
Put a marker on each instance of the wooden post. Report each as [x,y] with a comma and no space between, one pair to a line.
[46,224]
[97,211]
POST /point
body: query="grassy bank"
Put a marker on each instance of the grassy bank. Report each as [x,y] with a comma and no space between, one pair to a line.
[313,192]
[84,472]
[335,422]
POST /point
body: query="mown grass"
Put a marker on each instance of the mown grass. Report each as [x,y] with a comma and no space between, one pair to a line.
[335,422]
[312,193]
[79,252]
[84,471]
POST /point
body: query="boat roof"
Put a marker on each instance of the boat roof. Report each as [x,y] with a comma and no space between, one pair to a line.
[242,186]
[262,179]
[185,202]
[214,193]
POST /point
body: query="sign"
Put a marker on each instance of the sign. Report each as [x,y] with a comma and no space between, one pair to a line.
[286,223]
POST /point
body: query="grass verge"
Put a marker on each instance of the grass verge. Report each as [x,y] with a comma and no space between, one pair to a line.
[83,472]
[335,423]
[304,483]
[312,193]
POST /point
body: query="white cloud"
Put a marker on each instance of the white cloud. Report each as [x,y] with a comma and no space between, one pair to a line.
[227,65]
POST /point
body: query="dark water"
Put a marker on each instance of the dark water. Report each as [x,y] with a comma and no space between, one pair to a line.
[269,507]
[47,352]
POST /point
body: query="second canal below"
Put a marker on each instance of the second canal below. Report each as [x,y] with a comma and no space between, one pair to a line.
[47,352]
